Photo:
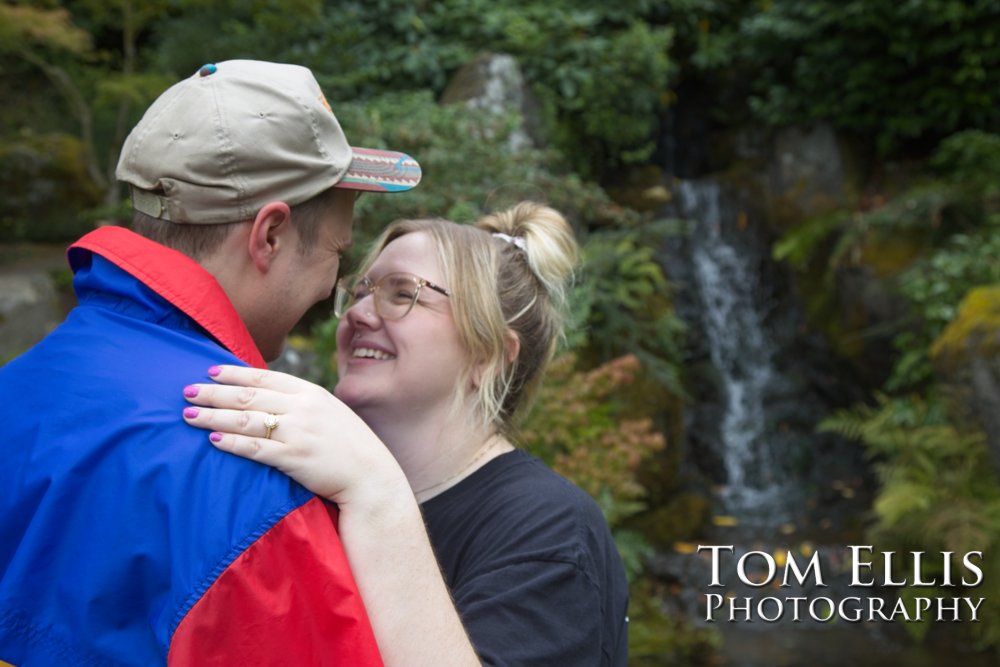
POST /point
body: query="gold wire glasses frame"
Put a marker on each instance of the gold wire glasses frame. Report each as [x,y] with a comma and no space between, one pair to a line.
[394,294]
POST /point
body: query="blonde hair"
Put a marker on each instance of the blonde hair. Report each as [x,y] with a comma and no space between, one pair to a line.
[509,272]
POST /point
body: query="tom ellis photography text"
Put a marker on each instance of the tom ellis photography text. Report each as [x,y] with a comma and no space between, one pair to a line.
[874,580]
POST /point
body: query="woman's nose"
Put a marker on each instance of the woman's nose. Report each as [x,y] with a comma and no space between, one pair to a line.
[364,312]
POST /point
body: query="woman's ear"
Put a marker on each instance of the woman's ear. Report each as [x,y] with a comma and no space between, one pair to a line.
[511,348]
[476,377]
[512,345]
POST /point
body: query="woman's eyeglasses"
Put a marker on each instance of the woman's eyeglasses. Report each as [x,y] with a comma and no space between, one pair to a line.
[394,294]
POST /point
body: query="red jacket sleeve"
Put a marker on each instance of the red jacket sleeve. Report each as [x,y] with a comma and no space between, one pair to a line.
[289,599]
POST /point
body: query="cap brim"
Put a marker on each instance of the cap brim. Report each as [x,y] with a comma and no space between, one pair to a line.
[380,171]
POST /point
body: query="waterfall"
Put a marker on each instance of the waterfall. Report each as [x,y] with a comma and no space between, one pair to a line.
[724,273]
[751,433]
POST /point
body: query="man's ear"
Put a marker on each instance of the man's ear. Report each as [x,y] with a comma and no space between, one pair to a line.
[269,234]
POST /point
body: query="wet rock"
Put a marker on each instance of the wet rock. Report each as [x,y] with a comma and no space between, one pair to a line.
[29,309]
[493,83]
[807,168]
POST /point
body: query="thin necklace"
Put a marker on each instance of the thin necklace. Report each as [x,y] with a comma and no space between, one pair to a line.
[487,446]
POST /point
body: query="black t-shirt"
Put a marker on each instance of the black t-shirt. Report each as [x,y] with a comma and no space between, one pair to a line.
[532,566]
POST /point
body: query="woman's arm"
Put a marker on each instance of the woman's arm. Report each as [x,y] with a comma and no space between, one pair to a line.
[324,446]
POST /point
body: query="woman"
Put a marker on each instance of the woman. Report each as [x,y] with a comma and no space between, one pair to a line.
[442,339]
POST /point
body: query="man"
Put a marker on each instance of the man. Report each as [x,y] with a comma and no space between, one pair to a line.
[125,538]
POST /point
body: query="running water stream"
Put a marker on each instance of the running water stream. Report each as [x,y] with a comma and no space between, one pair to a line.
[740,351]
[757,487]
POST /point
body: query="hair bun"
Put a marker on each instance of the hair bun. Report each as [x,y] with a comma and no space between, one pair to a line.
[545,237]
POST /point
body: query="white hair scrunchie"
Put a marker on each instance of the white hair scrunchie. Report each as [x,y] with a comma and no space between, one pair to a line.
[515,240]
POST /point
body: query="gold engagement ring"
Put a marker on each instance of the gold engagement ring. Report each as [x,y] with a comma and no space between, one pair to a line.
[270,423]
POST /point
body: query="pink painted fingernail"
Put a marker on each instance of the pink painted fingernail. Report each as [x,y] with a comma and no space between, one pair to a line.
[214,370]
[190,413]
[215,437]
[190,391]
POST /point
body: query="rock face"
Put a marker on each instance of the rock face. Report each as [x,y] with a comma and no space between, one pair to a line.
[807,168]
[29,309]
[493,83]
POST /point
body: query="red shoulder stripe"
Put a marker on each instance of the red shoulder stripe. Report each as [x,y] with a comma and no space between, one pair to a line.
[178,279]
[289,599]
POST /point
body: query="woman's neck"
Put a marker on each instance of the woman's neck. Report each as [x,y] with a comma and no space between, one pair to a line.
[437,452]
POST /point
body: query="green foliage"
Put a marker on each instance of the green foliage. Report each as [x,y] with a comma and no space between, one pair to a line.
[802,243]
[468,166]
[587,72]
[935,285]
[591,65]
[656,638]
[25,27]
[850,63]
[933,288]
[91,87]
[937,490]
[970,160]
[298,31]
[463,154]
[625,300]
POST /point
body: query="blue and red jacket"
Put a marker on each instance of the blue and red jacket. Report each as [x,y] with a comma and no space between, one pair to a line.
[125,537]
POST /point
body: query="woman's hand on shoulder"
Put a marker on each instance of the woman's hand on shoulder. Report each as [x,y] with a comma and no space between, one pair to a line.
[297,427]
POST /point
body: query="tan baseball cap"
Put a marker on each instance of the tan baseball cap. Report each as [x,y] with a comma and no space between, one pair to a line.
[218,146]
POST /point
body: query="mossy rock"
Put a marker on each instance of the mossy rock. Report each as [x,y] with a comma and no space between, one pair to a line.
[640,188]
[974,334]
[677,520]
[890,255]
[44,189]
[659,638]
